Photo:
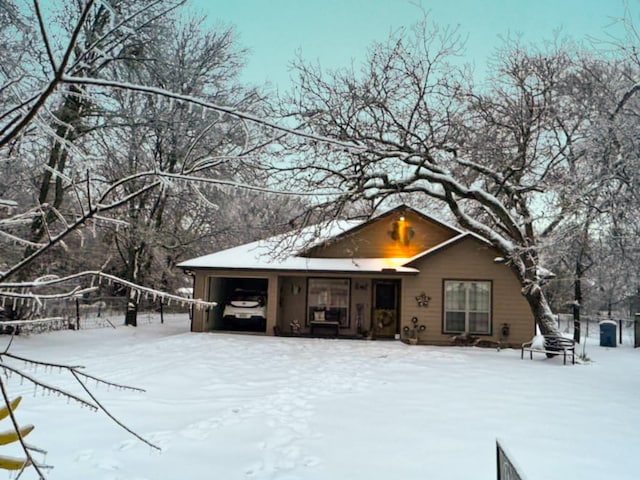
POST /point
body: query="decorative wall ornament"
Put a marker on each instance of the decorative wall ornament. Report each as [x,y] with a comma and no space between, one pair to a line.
[423,300]
[295,327]
[412,333]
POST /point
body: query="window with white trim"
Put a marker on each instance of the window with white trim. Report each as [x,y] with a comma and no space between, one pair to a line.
[467,306]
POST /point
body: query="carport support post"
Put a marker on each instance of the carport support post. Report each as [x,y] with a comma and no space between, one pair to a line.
[161,312]
[273,290]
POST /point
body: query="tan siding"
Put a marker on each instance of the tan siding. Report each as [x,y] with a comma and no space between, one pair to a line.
[214,314]
[199,292]
[468,260]
[374,240]
[272,303]
[293,298]
[360,295]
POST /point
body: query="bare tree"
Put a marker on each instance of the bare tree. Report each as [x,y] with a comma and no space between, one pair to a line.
[502,158]
[77,80]
[49,117]
[173,137]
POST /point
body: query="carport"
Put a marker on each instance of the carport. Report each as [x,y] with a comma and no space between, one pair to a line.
[219,290]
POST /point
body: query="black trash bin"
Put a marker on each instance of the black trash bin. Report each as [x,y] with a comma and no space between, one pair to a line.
[608,333]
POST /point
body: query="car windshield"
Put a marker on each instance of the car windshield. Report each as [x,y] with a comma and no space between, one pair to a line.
[246,297]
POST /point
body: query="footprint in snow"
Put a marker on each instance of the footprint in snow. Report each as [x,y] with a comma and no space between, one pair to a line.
[311,461]
[84,455]
[200,430]
[108,464]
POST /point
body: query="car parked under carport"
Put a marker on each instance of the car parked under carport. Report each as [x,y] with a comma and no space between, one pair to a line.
[245,310]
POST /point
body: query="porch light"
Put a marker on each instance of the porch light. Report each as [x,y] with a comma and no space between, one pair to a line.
[401,231]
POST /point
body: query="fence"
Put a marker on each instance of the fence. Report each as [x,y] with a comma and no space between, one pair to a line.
[506,469]
[102,312]
[590,326]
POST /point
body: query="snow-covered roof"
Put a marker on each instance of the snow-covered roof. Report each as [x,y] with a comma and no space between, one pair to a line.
[287,251]
[282,253]
[238,258]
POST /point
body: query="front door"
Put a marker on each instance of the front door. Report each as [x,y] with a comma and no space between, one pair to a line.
[384,323]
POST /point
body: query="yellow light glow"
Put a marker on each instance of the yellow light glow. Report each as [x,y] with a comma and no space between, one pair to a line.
[395,262]
[401,234]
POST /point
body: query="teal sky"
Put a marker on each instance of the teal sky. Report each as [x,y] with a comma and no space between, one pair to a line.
[335,32]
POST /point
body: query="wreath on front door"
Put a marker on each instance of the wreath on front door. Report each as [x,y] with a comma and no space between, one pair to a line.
[385,319]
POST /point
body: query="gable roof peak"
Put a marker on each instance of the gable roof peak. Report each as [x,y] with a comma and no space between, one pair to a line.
[403,207]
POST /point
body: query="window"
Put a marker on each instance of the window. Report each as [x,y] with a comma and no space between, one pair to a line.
[328,300]
[467,307]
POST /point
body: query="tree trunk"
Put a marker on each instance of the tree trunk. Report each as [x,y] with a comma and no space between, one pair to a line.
[541,310]
[131,315]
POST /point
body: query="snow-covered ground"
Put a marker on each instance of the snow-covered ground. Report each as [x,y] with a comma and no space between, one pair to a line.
[228,407]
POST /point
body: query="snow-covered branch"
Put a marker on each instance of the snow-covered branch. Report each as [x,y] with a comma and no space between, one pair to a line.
[256,120]
[244,186]
[81,378]
[40,100]
[95,276]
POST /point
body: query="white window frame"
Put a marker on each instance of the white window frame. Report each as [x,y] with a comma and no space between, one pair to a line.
[467,310]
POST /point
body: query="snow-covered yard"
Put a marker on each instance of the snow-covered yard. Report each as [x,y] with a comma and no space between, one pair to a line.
[230,407]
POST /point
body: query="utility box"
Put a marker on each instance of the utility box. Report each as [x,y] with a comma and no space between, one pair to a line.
[608,333]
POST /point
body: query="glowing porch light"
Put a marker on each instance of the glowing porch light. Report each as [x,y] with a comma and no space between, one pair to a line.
[401,231]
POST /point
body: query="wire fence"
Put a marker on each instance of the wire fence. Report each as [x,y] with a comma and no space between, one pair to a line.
[82,314]
[590,326]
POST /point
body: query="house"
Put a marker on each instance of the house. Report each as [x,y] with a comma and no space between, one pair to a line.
[398,273]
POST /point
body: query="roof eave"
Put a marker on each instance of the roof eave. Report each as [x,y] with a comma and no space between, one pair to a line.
[403,270]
